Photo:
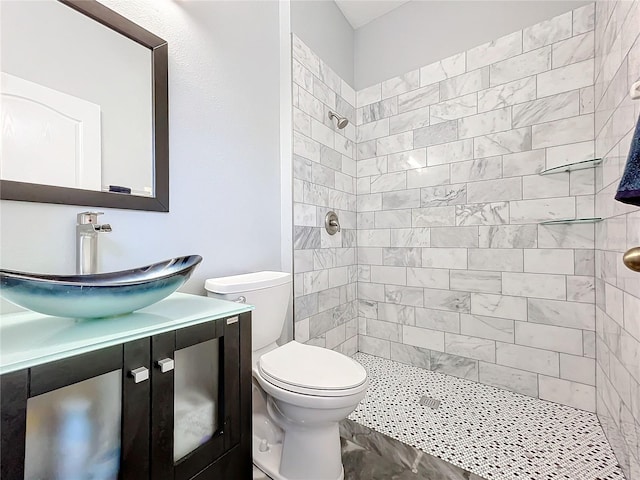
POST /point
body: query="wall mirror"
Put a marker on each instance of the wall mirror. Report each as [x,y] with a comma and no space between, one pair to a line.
[84,107]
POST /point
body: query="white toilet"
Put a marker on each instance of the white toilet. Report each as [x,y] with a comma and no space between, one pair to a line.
[300,392]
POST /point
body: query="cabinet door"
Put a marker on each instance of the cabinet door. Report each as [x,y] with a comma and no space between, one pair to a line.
[70,419]
[195,391]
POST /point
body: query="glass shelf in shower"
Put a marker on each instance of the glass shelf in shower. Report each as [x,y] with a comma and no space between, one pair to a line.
[569,167]
[572,221]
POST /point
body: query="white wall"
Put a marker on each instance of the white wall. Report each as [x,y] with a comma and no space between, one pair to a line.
[422,32]
[224,153]
[322,26]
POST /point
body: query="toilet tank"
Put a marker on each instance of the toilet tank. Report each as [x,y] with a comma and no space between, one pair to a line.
[269,292]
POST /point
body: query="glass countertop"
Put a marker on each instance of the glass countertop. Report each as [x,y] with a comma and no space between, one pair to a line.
[28,339]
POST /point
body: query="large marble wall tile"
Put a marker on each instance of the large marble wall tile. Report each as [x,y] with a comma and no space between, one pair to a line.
[374,238]
[528,358]
[547,32]
[370,131]
[419,98]
[496,259]
[410,120]
[494,190]
[511,93]
[477,169]
[535,211]
[305,147]
[454,365]
[435,134]
[429,176]
[392,312]
[372,166]
[454,237]
[443,195]
[500,306]
[521,66]
[568,393]
[536,285]
[450,152]
[508,236]
[560,132]
[492,52]
[453,109]
[463,84]
[482,214]
[563,79]
[405,256]
[411,237]
[476,281]
[454,258]
[546,260]
[393,219]
[501,329]
[437,320]
[584,19]
[501,143]
[566,236]
[484,123]
[369,95]
[375,111]
[404,295]
[408,354]
[447,300]
[545,186]
[438,71]
[546,109]
[562,314]
[518,381]
[374,346]
[388,182]
[305,56]
[433,216]
[423,338]
[548,337]
[577,369]
[470,347]
[395,143]
[523,163]
[383,330]
[573,50]
[401,199]
[401,84]
[407,160]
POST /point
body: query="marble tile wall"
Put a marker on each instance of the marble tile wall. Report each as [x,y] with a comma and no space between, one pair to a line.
[617,66]
[324,179]
[455,272]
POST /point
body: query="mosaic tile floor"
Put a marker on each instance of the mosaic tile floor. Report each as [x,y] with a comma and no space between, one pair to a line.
[491,432]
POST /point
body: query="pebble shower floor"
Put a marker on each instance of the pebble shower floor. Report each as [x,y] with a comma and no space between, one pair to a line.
[491,432]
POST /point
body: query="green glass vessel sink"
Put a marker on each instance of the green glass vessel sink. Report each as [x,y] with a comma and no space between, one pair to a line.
[97,295]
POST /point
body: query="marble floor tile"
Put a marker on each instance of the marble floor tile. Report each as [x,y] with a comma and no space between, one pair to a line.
[487,431]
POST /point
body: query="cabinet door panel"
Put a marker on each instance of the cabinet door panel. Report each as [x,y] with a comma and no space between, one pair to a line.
[136,400]
[13,402]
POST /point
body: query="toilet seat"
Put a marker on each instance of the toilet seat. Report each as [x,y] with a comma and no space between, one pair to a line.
[311,370]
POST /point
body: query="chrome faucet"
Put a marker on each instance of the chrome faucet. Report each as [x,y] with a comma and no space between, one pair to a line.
[87,230]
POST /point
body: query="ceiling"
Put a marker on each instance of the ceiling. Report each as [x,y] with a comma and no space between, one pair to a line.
[361,12]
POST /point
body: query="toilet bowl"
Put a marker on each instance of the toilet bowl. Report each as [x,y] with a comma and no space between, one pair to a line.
[300,392]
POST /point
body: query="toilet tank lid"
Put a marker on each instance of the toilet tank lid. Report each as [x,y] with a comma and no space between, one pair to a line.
[247,282]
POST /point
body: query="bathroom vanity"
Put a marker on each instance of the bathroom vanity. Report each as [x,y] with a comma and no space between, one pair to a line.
[162,393]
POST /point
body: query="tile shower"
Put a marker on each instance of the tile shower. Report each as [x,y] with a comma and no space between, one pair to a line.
[437,184]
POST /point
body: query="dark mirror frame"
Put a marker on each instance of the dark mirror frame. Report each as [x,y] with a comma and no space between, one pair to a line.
[31,192]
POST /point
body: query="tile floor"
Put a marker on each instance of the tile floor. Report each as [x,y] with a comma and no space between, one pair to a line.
[490,432]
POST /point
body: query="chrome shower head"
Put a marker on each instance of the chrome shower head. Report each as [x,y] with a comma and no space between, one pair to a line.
[342,121]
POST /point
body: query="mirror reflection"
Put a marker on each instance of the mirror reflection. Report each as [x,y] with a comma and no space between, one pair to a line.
[76,101]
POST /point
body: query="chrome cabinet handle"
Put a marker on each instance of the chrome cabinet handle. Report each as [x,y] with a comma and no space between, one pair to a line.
[139,374]
[165,365]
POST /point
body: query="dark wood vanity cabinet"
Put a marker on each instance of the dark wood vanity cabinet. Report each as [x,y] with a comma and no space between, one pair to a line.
[173,406]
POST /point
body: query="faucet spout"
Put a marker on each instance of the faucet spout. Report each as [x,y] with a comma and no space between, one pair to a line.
[87,230]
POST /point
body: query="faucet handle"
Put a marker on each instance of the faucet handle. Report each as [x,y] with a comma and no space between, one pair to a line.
[88,217]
